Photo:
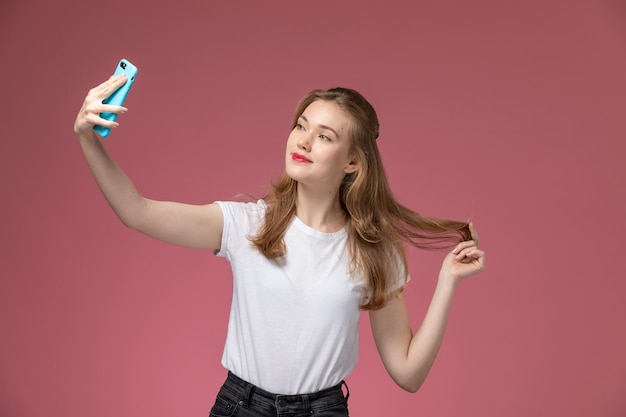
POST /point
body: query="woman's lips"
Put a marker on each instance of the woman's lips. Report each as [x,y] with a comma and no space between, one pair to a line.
[299,158]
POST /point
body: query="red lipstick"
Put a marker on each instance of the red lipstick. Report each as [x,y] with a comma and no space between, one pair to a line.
[299,158]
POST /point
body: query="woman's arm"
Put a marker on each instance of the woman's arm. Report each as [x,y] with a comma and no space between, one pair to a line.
[409,357]
[198,226]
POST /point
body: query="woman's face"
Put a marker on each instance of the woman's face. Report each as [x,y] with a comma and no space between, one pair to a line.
[318,148]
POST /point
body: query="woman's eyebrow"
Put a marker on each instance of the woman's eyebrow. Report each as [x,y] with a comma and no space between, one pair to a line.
[322,126]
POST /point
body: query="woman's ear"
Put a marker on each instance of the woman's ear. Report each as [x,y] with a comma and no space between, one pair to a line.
[352,166]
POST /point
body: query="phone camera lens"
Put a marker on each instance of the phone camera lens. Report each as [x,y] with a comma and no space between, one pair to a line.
[123,65]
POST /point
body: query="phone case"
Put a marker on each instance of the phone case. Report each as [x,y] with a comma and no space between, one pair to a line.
[119,95]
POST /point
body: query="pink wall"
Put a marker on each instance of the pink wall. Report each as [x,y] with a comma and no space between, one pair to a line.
[508,112]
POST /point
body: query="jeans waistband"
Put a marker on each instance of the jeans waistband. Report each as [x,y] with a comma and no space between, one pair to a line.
[301,401]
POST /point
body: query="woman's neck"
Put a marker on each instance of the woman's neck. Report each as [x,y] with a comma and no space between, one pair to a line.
[320,210]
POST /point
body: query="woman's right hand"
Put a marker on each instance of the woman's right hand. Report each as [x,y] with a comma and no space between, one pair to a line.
[89,114]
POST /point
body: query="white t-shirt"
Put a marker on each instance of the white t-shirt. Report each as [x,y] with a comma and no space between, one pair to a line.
[294,322]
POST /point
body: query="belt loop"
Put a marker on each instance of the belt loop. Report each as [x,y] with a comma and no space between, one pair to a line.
[305,403]
[247,395]
[343,383]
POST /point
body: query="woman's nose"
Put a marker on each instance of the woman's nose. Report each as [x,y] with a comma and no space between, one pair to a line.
[304,143]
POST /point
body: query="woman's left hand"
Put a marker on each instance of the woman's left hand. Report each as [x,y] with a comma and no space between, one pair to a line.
[464,260]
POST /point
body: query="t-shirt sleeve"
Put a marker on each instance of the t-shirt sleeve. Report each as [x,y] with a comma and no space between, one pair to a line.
[400,278]
[241,220]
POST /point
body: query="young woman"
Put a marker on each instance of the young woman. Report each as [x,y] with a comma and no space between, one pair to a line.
[324,244]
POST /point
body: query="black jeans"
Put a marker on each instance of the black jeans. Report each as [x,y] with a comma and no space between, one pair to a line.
[242,399]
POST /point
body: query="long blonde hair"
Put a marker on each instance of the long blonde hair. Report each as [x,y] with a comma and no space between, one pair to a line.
[377,225]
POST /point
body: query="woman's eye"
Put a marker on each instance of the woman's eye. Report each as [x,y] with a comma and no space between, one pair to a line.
[299,126]
[324,137]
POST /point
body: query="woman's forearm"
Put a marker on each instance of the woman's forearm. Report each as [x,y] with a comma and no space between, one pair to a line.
[116,186]
[426,342]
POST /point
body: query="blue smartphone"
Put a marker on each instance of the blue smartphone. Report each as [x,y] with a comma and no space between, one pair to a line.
[119,95]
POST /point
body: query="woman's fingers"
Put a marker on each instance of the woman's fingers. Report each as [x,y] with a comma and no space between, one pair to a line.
[462,245]
[89,114]
[94,109]
[470,253]
[467,249]
[93,118]
[465,259]
[473,232]
[104,90]
[98,108]
[108,87]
